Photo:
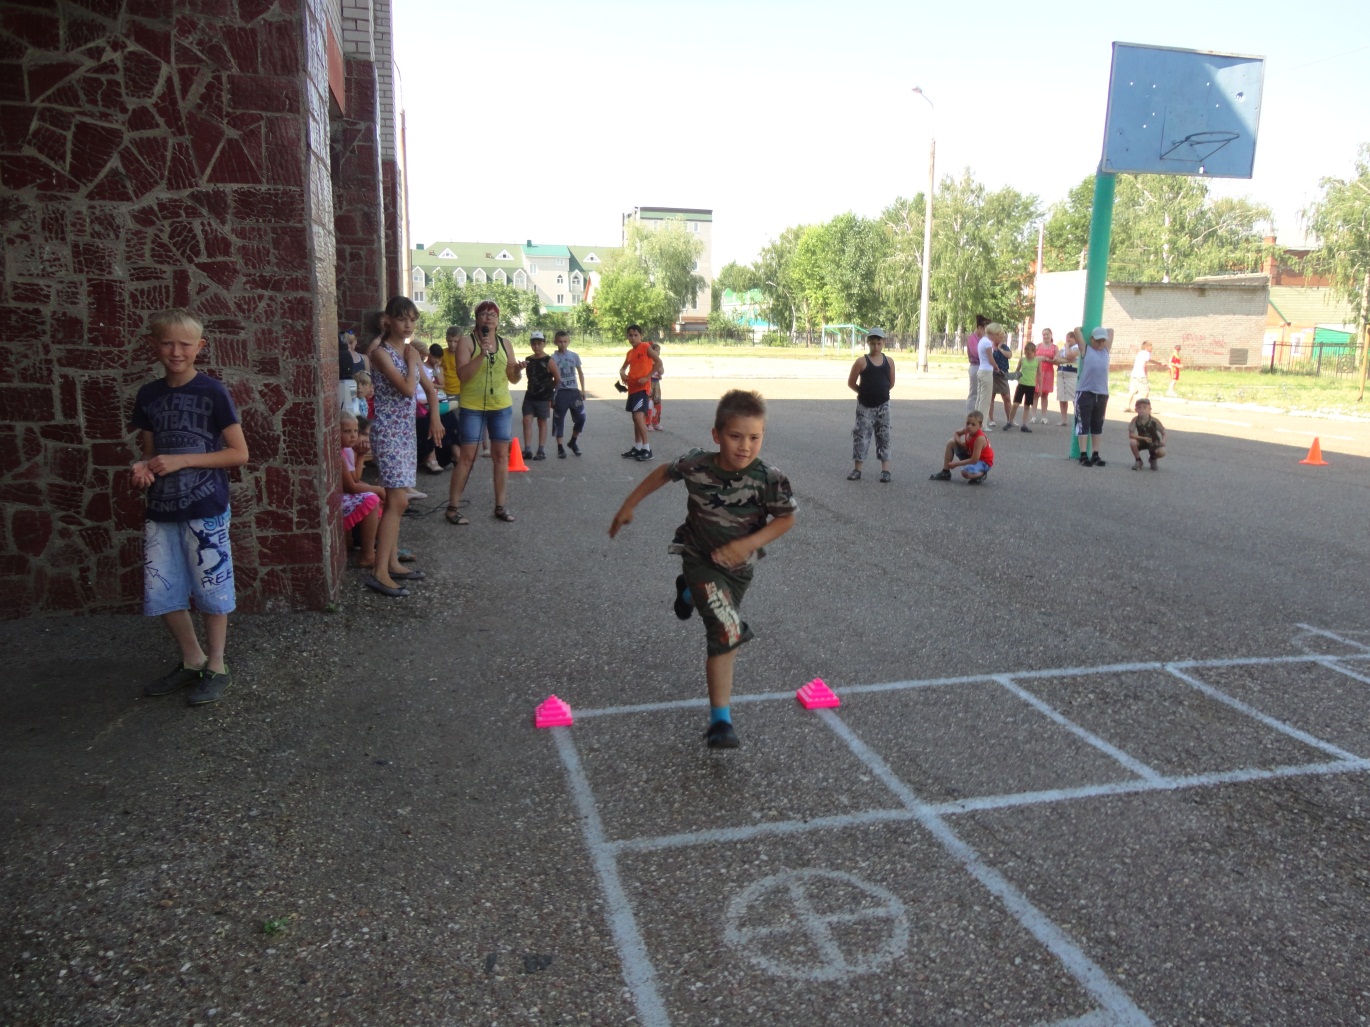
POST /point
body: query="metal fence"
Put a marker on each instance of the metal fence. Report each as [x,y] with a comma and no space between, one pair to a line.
[1336,357]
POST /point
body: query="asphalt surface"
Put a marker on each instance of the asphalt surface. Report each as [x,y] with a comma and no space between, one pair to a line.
[1045,798]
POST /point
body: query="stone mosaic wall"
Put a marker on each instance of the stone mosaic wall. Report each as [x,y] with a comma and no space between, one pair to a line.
[157,153]
[357,194]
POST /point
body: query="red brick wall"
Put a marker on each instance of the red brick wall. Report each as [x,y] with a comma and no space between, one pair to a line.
[357,197]
[154,154]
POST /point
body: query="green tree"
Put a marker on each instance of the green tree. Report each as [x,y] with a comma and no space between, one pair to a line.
[776,272]
[668,256]
[1166,228]
[453,303]
[583,318]
[1341,221]
[982,247]
[899,276]
[626,296]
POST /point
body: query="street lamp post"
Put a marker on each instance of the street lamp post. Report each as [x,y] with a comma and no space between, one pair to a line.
[927,241]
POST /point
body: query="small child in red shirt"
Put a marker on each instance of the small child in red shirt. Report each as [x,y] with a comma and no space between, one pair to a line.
[968,449]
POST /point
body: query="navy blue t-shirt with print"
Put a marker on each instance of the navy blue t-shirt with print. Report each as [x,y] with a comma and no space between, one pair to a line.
[188,419]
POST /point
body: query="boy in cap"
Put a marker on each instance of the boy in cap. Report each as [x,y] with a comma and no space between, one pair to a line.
[543,379]
[871,378]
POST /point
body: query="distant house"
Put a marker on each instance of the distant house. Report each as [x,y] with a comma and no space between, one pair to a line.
[562,276]
[695,316]
[1305,320]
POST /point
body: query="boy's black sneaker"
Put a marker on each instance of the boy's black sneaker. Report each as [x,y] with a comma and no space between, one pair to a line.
[943,475]
[540,454]
[1026,429]
[527,454]
[979,479]
[561,451]
[173,681]
[1084,460]
[631,454]
[721,736]
[644,454]
[573,447]
[1097,461]
[683,607]
[210,687]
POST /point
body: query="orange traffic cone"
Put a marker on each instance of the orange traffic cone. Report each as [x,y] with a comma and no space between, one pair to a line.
[1314,456]
[516,457]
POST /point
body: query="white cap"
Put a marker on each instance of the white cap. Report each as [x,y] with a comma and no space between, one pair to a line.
[1100,333]
[876,333]
[537,335]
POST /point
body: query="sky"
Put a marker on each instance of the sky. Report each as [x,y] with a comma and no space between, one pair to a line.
[548,122]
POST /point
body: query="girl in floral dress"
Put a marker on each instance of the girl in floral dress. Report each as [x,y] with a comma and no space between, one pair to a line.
[397,375]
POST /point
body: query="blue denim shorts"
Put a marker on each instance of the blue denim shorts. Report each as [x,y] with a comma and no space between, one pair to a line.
[499,423]
[184,560]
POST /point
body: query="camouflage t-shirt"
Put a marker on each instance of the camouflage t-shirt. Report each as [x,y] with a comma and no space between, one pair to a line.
[727,505]
[1150,431]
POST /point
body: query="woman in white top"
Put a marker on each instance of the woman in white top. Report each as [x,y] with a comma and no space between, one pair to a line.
[1067,369]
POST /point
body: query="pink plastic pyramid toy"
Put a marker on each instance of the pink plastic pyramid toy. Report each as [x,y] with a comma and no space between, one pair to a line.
[552,713]
[817,696]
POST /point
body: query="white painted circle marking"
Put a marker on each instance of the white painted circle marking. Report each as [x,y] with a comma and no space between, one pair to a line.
[816,925]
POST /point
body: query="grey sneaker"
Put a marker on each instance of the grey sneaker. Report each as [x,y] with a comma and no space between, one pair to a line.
[173,681]
[211,686]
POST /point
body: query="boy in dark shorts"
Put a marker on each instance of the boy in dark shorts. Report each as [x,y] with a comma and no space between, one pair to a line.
[543,379]
[189,435]
[1145,432]
[737,504]
[636,376]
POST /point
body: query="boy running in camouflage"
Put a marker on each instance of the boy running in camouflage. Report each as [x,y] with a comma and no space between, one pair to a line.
[736,505]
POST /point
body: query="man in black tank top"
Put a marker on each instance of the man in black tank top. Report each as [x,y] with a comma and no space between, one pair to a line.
[871,378]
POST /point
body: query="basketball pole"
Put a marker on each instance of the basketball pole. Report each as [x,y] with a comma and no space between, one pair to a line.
[1096,273]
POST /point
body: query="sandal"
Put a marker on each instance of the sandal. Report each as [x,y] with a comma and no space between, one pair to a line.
[854,476]
[504,515]
[404,556]
[454,516]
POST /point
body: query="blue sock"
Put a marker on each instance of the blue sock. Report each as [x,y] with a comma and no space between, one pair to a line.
[717,713]
[685,595]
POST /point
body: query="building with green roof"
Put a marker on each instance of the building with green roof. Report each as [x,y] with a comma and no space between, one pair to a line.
[562,276]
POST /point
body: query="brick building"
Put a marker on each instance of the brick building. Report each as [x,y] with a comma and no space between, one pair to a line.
[243,159]
[1218,323]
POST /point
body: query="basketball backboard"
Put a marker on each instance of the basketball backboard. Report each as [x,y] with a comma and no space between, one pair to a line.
[1182,112]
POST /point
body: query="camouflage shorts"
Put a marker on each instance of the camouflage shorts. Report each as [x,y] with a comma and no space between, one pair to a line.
[717,595]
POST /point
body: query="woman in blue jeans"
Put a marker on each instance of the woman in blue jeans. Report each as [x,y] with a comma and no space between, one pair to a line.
[486,366]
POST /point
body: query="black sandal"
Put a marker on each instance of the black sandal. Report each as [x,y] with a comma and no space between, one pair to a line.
[504,515]
[454,516]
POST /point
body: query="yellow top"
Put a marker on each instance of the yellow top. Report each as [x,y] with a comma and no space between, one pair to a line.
[489,388]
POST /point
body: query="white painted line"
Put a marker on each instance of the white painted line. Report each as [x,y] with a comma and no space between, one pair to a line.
[970,679]
[1165,784]
[1086,972]
[1135,786]
[1136,766]
[1334,636]
[1268,721]
[638,972]
[1332,664]
[1314,434]
[771,828]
